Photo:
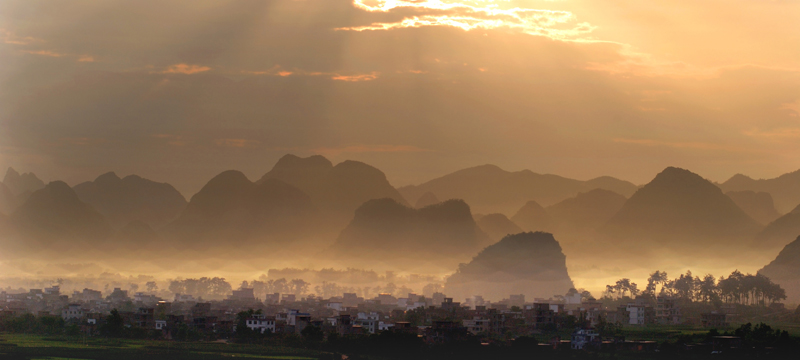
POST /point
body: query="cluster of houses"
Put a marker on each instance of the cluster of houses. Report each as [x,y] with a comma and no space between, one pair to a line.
[436,318]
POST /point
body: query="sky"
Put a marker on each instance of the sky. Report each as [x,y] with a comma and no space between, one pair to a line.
[179,91]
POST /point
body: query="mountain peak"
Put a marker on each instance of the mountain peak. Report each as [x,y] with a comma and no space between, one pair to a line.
[680,205]
[109,177]
[426,199]
[291,161]
[529,261]
[11,175]
[19,184]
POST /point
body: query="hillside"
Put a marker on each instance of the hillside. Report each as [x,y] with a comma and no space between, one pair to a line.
[386,234]
[230,210]
[533,217]
[22,184]
[680,209]
[528,263]
[132,198]
[780,232]
[758,205]
[55,217]
[785,189]
[336,190]
[497,226]
[585,212]
[785,270]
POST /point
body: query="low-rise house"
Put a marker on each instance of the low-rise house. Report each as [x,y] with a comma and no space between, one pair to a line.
[667,312]
[72,312]
[476,325]
[261,323]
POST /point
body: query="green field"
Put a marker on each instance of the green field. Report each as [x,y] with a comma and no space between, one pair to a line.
[18,346]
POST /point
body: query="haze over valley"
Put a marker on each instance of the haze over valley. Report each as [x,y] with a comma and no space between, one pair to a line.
[349,216]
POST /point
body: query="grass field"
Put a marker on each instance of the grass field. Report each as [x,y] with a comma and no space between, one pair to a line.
[18,346]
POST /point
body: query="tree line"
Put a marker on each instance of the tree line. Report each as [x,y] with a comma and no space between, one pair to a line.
[737,288]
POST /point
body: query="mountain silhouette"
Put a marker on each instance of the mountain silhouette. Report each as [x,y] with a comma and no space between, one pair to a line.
[528,263]
[533,217]
[586,211]
[8,201]
[780,232]
[136,234]
[758,205]
[497,226]
[21,184]
[55,217]
[785,189]
[231,210]
[336,190]
[785,270]
[385,232]
[132,198]
[426,199]
[490,189]
[678,209]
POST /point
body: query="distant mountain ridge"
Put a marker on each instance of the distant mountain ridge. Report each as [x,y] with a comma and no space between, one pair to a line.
[8,202]
[532,264]
[758,205]
[780,232]
[498,226]
[132,198]
[20,184]
[386,232]
[231,207]
[585,212]
[337,190]
[785,189]
[680,208]
[490,189]
[55,217]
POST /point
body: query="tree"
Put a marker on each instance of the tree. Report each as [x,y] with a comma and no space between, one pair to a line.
[151,286]
[313,334]
[114,325]
[656,278]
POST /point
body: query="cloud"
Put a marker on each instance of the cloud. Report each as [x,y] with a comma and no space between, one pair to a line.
[10,38]
[86,58]
[185,69]
[792,134]
[277,70]
[354,78]
[44,53]
[548,23]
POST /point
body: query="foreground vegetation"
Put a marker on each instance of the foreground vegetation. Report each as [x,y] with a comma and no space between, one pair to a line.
[757,341]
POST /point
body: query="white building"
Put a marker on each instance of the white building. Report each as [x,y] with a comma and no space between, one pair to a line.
[261,323]
[382,326]
[636,313]
[334,305]
[161,324]
[73,311]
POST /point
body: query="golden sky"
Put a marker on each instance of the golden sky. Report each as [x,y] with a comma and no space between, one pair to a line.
[179,91]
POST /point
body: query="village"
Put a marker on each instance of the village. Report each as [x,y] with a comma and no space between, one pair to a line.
[437,319]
